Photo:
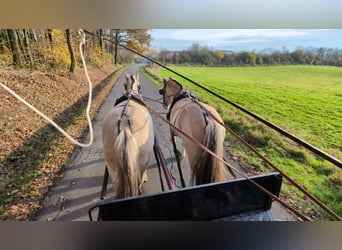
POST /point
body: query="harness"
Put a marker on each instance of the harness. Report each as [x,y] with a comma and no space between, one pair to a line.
[127,97]
[187,94]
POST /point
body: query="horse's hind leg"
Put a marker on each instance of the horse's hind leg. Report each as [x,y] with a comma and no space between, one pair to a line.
[144,177]
[183,153]
[143,168]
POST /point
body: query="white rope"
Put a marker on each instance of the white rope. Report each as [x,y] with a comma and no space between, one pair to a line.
[82,42]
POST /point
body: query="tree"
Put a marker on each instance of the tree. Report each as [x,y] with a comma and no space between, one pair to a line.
[27,49]
[276,56]
[219,54]
[206,56]
[117,41]
[139,40]
[71,51]
[100,33]
[49,35]
[247,57]
[136,39]
[298,56]
[13,41]
[259,60]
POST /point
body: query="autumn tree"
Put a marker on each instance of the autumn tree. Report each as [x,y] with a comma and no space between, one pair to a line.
[136,39]
[219,54]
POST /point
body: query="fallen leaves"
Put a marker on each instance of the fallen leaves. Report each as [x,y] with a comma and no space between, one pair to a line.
[32,161]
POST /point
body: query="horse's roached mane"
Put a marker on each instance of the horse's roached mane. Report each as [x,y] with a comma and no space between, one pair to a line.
[180,85]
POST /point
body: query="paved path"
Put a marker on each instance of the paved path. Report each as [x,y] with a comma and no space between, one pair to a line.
[79,189]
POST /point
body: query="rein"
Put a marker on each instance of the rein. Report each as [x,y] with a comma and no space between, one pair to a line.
[318,202]
[161,161]
[271,125]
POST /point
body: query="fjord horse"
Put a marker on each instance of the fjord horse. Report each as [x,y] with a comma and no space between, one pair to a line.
[127,138]
[197,120]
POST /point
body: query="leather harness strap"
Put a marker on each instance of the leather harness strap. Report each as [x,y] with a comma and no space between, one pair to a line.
[127,97]
[187,94]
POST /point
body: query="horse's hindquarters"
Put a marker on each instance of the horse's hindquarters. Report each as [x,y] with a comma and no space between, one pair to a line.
[201,123]
[127,136]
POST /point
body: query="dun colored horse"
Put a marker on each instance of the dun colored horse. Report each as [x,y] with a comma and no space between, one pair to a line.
[127,138]
[197,120]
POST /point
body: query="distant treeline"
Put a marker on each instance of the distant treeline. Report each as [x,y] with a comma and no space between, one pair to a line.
[202,55]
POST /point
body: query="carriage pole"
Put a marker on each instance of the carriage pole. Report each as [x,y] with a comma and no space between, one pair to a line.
[160,159]
[177,159]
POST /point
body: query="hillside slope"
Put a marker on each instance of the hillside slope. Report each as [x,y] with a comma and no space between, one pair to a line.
[32,152]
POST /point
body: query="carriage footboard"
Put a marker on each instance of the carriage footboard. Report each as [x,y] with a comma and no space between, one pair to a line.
[235,199]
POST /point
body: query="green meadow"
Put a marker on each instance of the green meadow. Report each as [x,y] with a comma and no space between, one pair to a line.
[304,100]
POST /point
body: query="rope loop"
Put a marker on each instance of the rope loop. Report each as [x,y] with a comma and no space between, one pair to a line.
[30,106]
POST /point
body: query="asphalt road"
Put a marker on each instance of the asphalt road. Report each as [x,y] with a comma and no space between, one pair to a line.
[79,189]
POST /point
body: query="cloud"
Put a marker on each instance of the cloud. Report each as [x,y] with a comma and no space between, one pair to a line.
[235,39]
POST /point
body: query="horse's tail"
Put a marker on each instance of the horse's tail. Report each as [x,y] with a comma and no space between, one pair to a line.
[129,178]
[209,168]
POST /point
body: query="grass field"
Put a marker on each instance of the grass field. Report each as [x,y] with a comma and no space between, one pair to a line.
[304,100]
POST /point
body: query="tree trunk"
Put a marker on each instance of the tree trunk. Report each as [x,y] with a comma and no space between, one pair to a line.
[101,39]
[116,47]
[13,40]
[71,51]
[3,40]
[27,49]
[49,35]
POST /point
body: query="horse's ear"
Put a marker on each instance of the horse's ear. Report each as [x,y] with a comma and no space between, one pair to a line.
[135,78]
[164,80]
[127,77]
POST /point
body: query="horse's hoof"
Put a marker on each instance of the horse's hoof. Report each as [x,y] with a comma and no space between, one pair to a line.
[144,178]
[181,155]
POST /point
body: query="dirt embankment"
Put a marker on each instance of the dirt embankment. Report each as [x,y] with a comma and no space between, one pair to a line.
[32,152]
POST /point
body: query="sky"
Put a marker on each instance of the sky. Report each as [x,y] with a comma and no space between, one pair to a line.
[245,39]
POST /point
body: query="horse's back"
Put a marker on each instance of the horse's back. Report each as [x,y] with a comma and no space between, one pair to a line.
[137,118]
[202,123]
[188,117]
[192,119]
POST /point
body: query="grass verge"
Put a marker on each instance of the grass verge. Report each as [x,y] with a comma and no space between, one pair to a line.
[301,99]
